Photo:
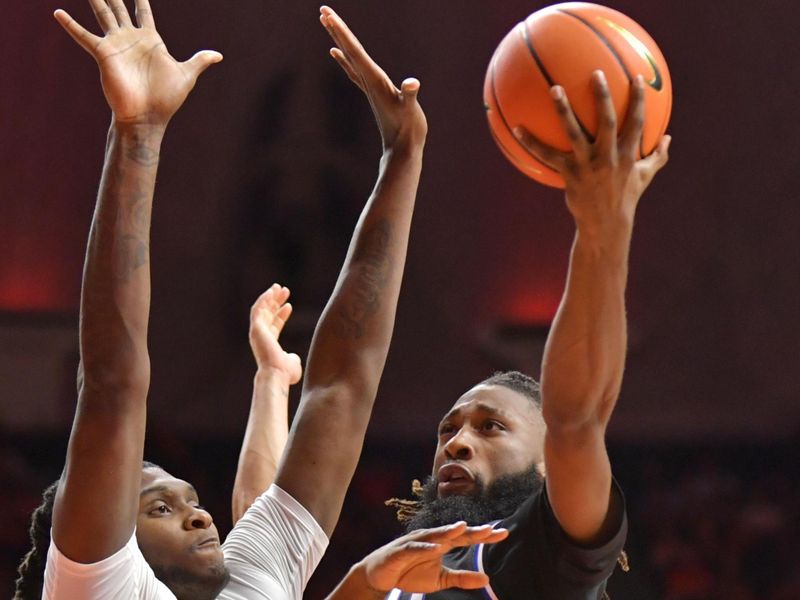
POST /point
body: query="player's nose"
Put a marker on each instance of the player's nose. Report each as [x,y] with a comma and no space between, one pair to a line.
[198,518]
[459,447]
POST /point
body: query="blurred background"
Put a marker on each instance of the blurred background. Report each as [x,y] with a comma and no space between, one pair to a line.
[263,174]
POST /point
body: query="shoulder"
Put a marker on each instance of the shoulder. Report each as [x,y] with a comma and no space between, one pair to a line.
[124,574]
[274,547]
[540,557]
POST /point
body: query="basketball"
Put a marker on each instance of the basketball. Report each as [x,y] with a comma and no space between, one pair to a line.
[562,45]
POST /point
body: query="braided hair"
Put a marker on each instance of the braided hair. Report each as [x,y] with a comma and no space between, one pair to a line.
[30,583]
[31,570]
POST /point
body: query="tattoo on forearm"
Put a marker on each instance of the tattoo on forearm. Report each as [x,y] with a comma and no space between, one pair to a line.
[374,261]
[132,186]
[143,155]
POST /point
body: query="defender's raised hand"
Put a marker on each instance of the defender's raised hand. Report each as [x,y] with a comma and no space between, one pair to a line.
[399,115]
[267,318]
[142,82]
[606,175]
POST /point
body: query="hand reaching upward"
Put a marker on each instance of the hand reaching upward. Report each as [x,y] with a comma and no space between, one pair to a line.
[142,82]
[267,318]
[399,115]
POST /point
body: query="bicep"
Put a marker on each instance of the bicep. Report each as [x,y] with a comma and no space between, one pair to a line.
[578,479]
[95,509]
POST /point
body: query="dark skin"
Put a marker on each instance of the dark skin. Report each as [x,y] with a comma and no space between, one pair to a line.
[144,87]
[491,431]
[585,352]
[174,532]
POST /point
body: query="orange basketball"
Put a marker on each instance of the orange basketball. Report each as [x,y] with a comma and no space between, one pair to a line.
[562,45]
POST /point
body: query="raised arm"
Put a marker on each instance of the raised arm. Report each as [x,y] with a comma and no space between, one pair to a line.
[95,509]
[352,338]
[585,353]
[268,422]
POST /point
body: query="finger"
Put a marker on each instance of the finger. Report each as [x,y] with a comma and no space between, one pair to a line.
[87,41]
[144,14]
[577,139]
[283,314]
[409,89]
[540,151]
[281,294]
[658,158]
[201,61]
[474,535]
[347,68]
[105,17]
[606,141]
[467,580]
[439,534]
[298,369]
[634,121]
[348,43]
[121,13]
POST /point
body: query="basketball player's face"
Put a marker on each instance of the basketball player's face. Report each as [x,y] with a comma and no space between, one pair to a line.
[176,535]
[491,431]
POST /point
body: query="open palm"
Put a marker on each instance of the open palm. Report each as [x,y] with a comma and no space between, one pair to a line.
[267,318]
[142,82]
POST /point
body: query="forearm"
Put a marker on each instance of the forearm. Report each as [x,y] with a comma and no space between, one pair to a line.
[352,337]
[105,449]
[354,586]
[264,440]
[115,296]
[585,353]
[349,348]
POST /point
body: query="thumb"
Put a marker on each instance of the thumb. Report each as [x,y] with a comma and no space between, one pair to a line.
[201,61]
[466,580]
[659,157]
[298,367]
[410,88]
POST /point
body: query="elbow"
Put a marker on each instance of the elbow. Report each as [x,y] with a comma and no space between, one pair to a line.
[569,415]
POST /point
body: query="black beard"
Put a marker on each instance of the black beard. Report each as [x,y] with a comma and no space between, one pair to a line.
[486,504]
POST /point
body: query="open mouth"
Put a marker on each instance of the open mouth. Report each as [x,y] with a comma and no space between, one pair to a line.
[454,478]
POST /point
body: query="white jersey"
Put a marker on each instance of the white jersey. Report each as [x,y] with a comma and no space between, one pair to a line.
[270,553]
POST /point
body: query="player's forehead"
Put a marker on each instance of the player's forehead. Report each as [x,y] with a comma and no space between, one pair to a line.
[156,480]
[490,399]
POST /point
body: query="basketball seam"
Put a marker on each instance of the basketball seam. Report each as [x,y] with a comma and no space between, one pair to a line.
[603,39]
[550,81]
[614,53]
[508,128]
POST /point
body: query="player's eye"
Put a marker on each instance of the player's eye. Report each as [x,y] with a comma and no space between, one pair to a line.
[446,429]
[161,509]
[492,426]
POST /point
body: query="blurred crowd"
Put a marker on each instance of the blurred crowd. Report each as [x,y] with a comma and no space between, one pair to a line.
[706,523]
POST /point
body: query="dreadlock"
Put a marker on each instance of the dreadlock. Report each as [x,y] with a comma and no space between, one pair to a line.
[513,380]
[407,509]
[31,570]
[30,582]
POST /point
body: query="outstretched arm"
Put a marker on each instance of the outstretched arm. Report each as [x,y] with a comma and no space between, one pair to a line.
[413,563]
[268,422]
[585,353]
[95,509]
[352,338]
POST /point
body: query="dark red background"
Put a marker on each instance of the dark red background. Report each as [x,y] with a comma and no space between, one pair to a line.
[714,284]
